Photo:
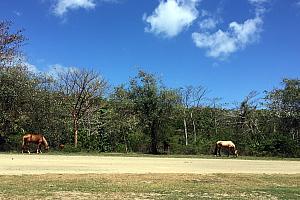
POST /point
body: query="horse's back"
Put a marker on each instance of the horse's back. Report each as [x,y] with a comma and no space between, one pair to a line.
[27,136]
[33,136]
[226,143]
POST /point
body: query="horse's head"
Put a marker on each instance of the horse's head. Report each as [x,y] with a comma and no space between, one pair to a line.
[46,148]
[45,144]
[236,153]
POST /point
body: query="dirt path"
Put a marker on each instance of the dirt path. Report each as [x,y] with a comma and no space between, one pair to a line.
[15,164]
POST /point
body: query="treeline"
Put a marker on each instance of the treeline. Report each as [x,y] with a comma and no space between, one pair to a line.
[77,108]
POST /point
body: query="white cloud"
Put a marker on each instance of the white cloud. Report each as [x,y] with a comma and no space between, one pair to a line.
[63,6]
[52,70]
[259,6]
[32,68]
[258,1]
[171,17]
[221,44]
[208,24]
[17,13]
[56,69]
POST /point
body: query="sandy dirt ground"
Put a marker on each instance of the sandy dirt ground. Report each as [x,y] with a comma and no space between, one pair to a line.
[17,164]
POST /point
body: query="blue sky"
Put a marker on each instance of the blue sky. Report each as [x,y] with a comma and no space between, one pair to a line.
[231,47]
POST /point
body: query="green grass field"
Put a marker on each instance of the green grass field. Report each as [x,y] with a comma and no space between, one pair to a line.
[150,186]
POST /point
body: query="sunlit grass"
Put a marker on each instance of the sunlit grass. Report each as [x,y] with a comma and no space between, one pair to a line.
[150,186]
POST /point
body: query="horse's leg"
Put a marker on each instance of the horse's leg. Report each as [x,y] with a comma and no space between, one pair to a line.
[216,150]
[38,148]
[28,150]
[23,147]
[219,151]
[26,146]
[23,144]
[232,150]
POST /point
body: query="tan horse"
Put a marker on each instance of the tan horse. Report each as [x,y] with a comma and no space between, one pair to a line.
[38,139]
[228,145]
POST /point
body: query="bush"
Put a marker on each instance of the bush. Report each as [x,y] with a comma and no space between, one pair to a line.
[275,145]
[138,142]
[70,148]
[11,143]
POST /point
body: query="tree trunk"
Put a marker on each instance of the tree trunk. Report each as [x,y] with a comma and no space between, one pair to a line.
[194,128]
[125,142]
[154,129]
[215,124]
[75,127]
[185,130]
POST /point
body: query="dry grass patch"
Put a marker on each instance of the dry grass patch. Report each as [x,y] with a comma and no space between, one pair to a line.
[150,186]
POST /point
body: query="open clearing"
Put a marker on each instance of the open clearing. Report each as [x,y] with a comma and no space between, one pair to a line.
[150,186]
[16,164]
[109,177]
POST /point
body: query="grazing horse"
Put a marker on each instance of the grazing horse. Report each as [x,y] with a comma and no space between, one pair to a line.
[61,146]
[38,139]
[228,145]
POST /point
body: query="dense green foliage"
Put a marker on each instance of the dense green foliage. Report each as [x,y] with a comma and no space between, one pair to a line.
[75,108]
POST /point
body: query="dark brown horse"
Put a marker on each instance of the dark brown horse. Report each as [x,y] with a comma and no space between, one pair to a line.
[228,145]
[61,146]
[36,138]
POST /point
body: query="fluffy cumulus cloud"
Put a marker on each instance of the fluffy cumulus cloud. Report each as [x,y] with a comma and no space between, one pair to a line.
[56,69]
[52,70]
[208,24]
[221,44]
[258,1]
[63,6]
[171,17]
[32,68]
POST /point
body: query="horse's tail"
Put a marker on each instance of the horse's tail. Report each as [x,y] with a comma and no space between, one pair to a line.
[216,149]
[23,141]
[25,138]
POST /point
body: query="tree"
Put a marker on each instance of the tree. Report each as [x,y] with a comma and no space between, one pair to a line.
[27,100]
[10,45]
[246,120]
[14,80]
[16,90]
[123,120]
[190,99]
[285,104]
[153,104]
[81,90]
